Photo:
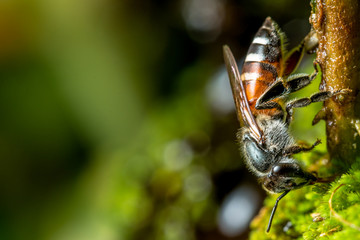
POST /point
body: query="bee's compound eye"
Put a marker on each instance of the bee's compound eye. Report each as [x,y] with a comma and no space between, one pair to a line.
[256,155]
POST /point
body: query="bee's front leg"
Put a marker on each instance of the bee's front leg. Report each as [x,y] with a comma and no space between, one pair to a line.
[297,148]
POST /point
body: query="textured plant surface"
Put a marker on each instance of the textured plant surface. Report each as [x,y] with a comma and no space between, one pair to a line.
[337,24]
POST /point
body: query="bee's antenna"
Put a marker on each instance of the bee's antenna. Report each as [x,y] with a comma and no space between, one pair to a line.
[274,209]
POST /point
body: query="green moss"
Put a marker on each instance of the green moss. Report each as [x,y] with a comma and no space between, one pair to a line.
[306,213]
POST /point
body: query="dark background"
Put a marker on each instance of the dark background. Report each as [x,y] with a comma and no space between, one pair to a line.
[117,120]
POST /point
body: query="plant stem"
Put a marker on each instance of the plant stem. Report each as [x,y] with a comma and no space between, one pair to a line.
[337,23]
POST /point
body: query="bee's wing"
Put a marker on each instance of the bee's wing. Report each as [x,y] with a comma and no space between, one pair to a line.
[239,94]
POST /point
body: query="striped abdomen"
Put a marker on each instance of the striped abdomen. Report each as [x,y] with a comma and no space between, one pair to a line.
[262,64]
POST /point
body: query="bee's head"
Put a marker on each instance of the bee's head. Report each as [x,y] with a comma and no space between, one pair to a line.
[287,176]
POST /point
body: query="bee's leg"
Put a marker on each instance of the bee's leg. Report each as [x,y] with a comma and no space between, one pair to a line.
[274,209]
[316,97]
[296,82]
[274,91]
[297,149]
[293,58]
[279,88]
[311,41]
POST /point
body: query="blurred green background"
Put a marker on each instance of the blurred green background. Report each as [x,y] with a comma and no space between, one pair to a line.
[117,120]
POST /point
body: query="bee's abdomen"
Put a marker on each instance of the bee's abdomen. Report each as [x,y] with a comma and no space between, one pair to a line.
[262,63]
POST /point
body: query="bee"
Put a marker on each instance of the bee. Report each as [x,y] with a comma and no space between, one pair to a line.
[259,93]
